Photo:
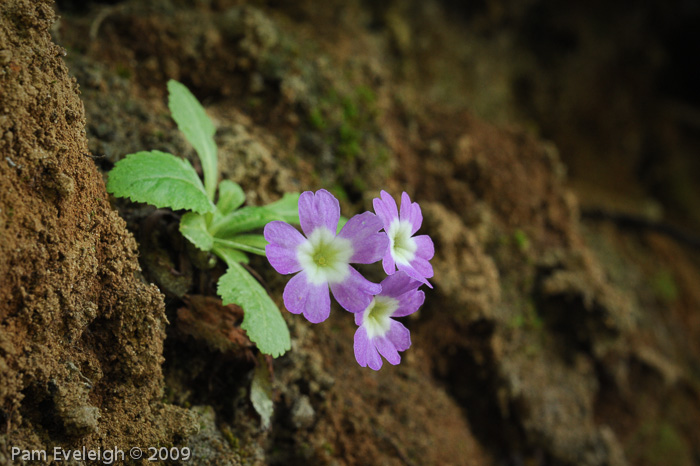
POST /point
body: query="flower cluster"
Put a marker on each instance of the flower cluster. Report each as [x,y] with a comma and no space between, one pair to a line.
[321,259]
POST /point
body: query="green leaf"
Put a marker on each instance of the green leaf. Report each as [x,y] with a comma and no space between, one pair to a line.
[244,219]
[230,255]
[261,392]
[199,130]
[341,224]
[159,179]
[287,208]
[262,321]
[194,227]
[231,196]
[256,241]
[242,246]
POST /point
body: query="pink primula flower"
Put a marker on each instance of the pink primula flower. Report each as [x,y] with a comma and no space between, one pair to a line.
[322,258]
[406,252]
[379,334]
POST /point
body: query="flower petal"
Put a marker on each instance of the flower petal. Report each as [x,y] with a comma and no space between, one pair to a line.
[282,234]
[388,262]
[411,212]
[387,349]
[355,292]
[318,210]
[409,303]
[385,208]
[370,249]
[359,317]
[313,301]
[399,336]
[282,250]
[422,266]
[368,245]
[282,259]
[397,284]
[424,247]
[418,269]
[365,352]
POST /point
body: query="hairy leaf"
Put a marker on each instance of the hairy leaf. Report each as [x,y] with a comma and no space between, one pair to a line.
[287,208]
[194,227]
[244,219]
[234,243]
[231,196]
[255,241]
[159,179]
[262,322]
[199,130]
[229,255]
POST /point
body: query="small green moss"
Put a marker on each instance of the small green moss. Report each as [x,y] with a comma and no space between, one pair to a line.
[123,71]
[349,145]
[350,111]
[366,95]
[231,439]
[517,321]
[521,240]
[664,286]
[316,119]
[528,319]
[328,448]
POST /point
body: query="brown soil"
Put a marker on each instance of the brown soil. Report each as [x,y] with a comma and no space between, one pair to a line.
[550,337]
[82,334]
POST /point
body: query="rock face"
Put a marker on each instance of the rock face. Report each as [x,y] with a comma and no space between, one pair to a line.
[80,334]
[547,338]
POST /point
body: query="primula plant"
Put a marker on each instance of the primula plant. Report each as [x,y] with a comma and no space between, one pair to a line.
[215,220]
[321,259]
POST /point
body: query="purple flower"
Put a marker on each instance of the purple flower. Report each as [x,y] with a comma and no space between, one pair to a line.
[407,252]
[323,258]
[379,333]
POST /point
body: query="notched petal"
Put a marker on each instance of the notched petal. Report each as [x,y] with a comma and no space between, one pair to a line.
[282,259]
[411,212]
[387,349]
[385,208]
[409,303]
[424,246]
[399,335]
[313,301]
[321,209]
[368,245]
[370,249]
[397,284]
[388,263]
[282,234]
[355,293]
[420,273]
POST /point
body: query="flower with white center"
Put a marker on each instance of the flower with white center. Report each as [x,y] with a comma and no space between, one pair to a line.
[379,333]
[323,257]
[406,252]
